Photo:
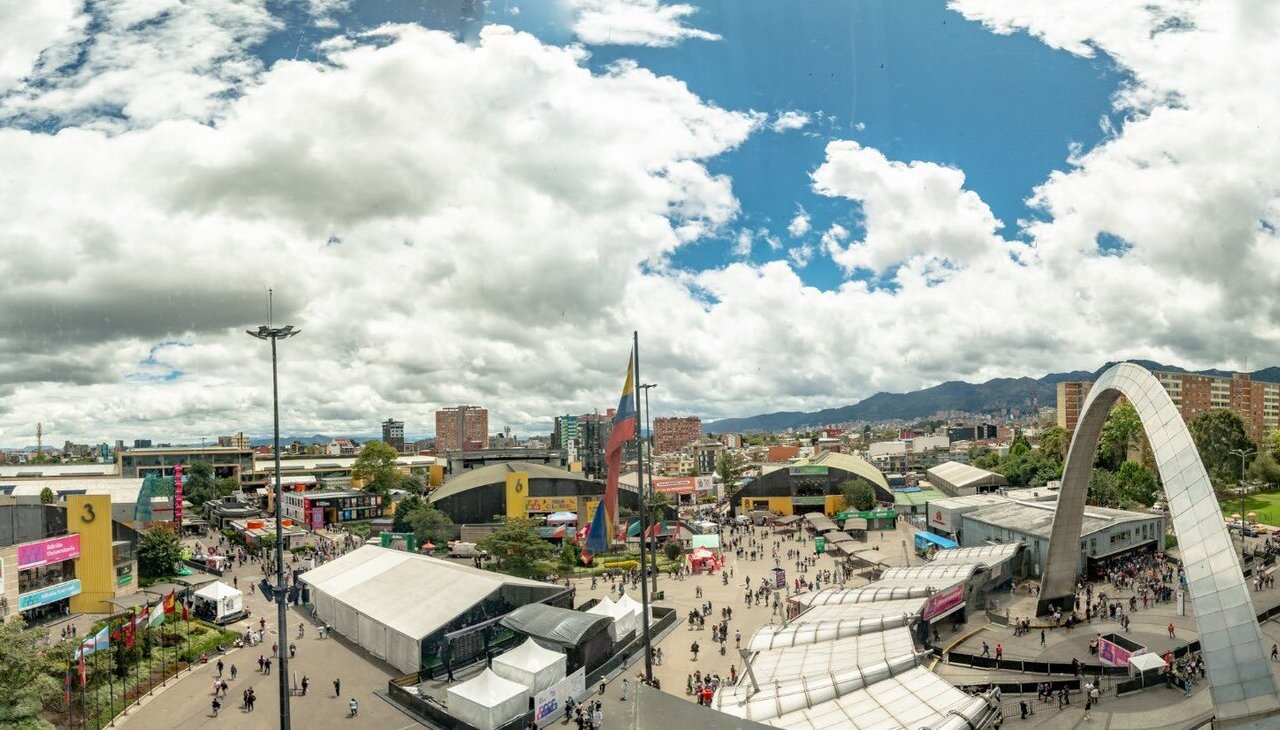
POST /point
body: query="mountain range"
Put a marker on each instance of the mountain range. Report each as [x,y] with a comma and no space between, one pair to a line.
[994,397]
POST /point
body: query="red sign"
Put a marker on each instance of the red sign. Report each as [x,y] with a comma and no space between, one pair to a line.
[1112,654]
[677,485]
[177,496]
[943,601]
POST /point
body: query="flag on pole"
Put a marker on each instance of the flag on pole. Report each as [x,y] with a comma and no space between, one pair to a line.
[169,603]
[185,615]
[128,635]
[157,618]
[597,534]
[624,430]
[83,680]
[141,619]
[66,687]
[96,642]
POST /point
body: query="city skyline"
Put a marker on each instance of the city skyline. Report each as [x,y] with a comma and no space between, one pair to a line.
[975,190]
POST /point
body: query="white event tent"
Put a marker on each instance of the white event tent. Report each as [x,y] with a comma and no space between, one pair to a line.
[487,701]
[531,665]
[624,620]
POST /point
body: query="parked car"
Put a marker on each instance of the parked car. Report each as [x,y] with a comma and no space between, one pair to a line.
[1237,526]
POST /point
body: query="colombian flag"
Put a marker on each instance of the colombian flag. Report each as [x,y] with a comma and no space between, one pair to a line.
[624,430]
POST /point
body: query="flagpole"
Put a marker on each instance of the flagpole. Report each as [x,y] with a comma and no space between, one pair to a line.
[644,509]
[97,712]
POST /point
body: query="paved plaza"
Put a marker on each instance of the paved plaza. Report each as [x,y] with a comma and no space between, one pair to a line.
[185,702]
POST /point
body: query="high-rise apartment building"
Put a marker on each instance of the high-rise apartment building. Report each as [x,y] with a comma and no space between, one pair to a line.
[566,433]
[672,434]
[1255,401]
[462,428]
[393,433]
[1071,397]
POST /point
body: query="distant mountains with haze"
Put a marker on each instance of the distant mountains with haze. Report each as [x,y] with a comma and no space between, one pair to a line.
[994,397]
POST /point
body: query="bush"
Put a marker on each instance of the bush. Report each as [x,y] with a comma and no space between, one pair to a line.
[1170,541]
[620,564]
[672,550]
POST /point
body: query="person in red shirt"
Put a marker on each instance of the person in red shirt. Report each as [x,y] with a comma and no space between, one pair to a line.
[706,696]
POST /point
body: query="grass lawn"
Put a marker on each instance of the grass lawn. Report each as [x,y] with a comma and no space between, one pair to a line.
[1266,504]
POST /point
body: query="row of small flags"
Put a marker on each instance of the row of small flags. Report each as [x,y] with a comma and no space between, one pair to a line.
[101,641]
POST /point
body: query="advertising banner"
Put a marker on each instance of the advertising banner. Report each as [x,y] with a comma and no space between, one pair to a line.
[676,485]
[943,601]
[779,578]
[550,504]
[317,518]
[810,470]
[48,552]
[177,496]
[550,702]
[1112,654]
[28,601]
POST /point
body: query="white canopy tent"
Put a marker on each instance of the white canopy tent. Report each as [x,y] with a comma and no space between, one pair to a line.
[1145,662]
[624,620]
[487,701]
[531,665]
[634,606]
[226,601]
[562,518]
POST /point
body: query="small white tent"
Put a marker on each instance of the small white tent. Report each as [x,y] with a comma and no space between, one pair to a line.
[225,600]
[624,621]
[531,665]
[634,606]
[562,518]
[488,701]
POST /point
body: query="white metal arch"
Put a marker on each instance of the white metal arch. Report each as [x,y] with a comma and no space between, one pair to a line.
[1231,641]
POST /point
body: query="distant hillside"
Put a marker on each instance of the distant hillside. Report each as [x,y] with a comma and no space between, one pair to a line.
[994,396]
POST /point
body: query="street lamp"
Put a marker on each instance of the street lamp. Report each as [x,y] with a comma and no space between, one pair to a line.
[266,332]
[1242,453]
[653,550]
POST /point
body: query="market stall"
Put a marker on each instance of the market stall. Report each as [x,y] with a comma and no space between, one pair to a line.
[531,665]
[219,603]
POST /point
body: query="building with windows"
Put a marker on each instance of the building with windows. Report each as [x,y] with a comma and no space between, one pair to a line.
[322,507]
[462,428]
[673,434]
[1105,533]
[705,453]
[238,440]
[393,433]
[69,556]
[1255,401]
[1071,395]
[808,485]
[227,461]
[522,489]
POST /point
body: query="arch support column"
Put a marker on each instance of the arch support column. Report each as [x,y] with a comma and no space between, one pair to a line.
[1231,641]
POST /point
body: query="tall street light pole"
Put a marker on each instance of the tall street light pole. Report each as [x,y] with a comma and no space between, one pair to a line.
[1243,454]
[653,549]
[266,332]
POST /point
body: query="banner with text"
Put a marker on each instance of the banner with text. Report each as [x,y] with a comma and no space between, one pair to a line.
[944,602]
[550,702]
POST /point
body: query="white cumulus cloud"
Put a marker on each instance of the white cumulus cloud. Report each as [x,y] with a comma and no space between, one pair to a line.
[789,120]
[635,23]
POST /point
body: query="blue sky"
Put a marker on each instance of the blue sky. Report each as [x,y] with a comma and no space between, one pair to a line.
[914,80]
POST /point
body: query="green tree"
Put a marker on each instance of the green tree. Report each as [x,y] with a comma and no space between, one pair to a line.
[1029,469]
[1122,431]
[430,525]
[198,484]
[1137,483]
[517,548]
[1054,442]
[858,495]
[672,550]
[47,496]
[226,486]
[1020,445]
[729,467]
[983,457]
[1265,468]
[1217,433]
[1104,489]
[568,555]
[414,483]
[400,520]
[29,676]
[158,550]
[376,466]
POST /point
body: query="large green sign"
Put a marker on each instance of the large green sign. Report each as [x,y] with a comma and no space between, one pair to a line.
[877,514]
[819,545]
[808,470]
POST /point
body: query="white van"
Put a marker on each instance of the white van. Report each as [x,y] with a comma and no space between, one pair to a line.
[464,550]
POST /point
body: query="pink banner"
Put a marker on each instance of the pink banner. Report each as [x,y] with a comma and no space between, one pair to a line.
[177,496]
[943,601]
[48,552]
[1112,654]
[317,518]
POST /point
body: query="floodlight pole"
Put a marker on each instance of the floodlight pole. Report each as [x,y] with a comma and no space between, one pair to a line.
[279,333]
[1242,453]
[644,519]
[653,546]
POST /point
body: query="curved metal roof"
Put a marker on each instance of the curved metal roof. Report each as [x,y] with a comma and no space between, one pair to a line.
[850,463]
[497,474]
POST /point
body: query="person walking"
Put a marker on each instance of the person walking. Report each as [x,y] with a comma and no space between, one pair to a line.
[215,705]
[233,672]
[293,649]
[999,651]
[1041,637]
[1171,635]
[986,651]
[1088,705]
[354,707]
[693,648]
[1275,652]
[626,689]
[337,688]
[219,666]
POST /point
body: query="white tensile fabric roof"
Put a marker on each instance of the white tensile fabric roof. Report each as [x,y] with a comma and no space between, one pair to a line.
[411,594]
[925,573]
[911,700]
[984,554]
[796,678]
[865,594]
[217,591]
[531,665]
[828,623]
[487,701]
